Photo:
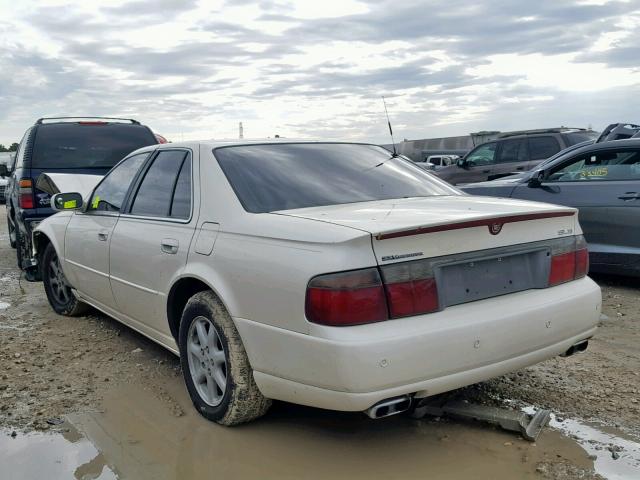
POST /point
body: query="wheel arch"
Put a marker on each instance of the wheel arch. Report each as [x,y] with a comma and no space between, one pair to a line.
[51,231]
[40,242]
[181,291]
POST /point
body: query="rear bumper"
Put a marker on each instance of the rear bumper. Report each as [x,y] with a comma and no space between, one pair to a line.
[352,368]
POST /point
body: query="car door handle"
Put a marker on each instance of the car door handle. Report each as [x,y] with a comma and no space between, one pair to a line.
[486,171]
[169,245]
[103,235]
[520,168]
[630,196]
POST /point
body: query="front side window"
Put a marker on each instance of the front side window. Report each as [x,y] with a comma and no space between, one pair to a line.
[109,195]
[543,147]
[600,166]
[514,150]
[157,189]
[483,155]
[274,177]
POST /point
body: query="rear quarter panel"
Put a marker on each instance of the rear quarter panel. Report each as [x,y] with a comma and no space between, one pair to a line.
[261,263]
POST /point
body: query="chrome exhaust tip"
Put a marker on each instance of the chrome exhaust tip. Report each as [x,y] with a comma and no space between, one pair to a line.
[391,406]
[576,348]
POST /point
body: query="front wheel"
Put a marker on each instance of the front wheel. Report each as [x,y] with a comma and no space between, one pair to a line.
[59,292]
[215,365]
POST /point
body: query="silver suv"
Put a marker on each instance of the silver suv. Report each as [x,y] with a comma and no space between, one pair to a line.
[512,152]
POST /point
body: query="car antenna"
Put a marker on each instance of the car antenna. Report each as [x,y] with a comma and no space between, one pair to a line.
[395,153]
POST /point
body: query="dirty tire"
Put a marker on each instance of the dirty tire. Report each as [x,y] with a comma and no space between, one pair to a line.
[19,248]
[63,304]
[241,401]
[10,230]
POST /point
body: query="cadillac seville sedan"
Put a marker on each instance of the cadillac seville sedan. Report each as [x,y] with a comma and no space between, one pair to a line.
[335,275]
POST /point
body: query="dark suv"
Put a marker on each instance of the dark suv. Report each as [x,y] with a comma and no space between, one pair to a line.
[62,145]
[512,152]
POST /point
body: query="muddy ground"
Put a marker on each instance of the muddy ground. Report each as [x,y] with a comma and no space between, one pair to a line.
[126,413]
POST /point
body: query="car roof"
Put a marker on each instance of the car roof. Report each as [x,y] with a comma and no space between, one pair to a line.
[591,147]
[213,144]
[540,131]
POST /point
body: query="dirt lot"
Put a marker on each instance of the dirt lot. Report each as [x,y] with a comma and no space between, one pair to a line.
[127,415]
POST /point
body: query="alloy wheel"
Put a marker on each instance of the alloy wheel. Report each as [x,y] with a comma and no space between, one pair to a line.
[60,289]
[207,361]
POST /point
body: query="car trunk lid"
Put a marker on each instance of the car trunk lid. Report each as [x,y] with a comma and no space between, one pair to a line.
[403,229]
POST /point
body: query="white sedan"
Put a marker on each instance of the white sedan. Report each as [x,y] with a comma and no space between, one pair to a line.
[334,275]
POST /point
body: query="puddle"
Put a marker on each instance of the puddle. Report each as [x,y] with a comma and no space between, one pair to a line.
[138,436]
[59,455]
[602,445]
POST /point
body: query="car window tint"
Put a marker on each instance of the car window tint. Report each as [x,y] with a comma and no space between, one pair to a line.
[111,192]
[284,176]
[483,155]
[154,194]
[181,205]
[87,145]
[514,150]
[600,166]
[543,147]
[18,160]
[573,138]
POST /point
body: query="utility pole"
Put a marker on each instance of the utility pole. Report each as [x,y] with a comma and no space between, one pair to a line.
[241,131]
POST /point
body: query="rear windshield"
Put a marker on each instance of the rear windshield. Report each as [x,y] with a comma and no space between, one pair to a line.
[72,145]
[578,137]
[273,177]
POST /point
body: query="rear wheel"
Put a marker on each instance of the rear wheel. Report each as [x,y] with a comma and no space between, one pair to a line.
[20,247]
[12,232]
[59,293]
[215,365]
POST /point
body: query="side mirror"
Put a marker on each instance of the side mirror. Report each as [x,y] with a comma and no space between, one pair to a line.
[536,179]
[4,171]
[462,163]
[66,201]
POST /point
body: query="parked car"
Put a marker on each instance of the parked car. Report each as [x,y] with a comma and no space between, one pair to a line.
[435,162]
[334,275]
[512,152]
[3,182]
[602,180]
[69,145]
[5,158]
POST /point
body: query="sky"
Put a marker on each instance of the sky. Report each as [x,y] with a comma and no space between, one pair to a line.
[194,69]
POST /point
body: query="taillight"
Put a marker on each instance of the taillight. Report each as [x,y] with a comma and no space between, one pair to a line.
[347,298]
[411,288]
[25,193]
[569,262]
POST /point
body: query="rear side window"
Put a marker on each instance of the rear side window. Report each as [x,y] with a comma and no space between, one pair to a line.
[155,194]
[606,165]
[273,177]
[514,150]
[110,193]
[181,204]
[578,137]
[75,145]
[543,147]
[18,160]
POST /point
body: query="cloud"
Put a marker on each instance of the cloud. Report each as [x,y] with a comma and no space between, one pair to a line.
[197,68]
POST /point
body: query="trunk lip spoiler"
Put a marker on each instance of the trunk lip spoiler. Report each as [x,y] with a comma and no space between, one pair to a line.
[483,222]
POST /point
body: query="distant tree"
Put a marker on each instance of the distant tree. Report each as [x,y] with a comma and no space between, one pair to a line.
[13,147]
[3,148]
